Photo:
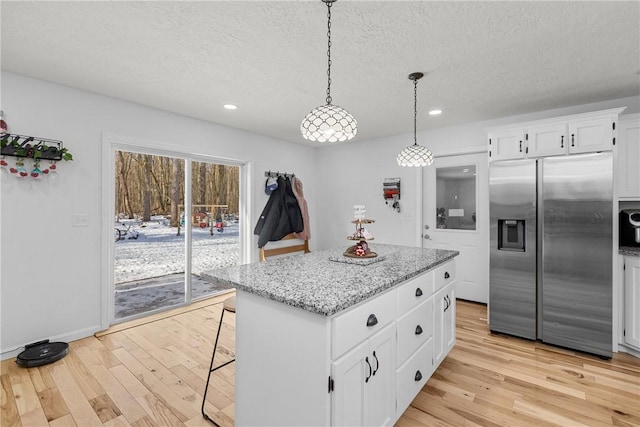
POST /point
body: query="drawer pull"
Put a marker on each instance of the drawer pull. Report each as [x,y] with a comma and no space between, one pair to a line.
[366,359]
[418,330]
[446,275]
[418,292]
[418,376]
[377,363]
[372,320]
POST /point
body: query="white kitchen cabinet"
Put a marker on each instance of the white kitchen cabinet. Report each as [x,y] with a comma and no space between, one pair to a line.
[547,140]
[628,159]
[632,301]
[557,136]
[366,379]
[444,323]
[507,144]
[591,134]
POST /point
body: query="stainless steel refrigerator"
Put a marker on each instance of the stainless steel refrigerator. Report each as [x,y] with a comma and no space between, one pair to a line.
[551,250]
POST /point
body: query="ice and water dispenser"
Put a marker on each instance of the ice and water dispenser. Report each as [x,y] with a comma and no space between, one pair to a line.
[511,235]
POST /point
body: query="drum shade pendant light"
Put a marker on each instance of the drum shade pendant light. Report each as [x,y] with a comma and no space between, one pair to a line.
[415,155]
[329,123]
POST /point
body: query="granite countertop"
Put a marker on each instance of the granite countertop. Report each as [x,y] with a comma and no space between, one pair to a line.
[629,250]
[316,284]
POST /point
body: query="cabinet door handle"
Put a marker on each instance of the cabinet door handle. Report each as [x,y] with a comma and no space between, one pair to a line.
[573,140]
[418,376]
[418,292]
[418,330]
[377,363]
[561,141]
[521,146]
[366,359]
[446,275]
[372,320]
[446,300]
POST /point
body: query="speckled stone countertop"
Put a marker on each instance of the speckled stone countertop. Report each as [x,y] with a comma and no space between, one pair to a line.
[629,250]
[316,284]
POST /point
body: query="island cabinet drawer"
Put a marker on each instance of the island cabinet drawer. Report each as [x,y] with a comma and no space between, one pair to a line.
[414,329]
[360,322]
[414,292]
[412,376]
[444,275]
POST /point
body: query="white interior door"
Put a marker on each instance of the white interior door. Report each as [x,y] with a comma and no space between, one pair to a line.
[456,217]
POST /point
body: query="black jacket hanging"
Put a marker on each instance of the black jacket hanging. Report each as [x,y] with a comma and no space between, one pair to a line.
[280,216]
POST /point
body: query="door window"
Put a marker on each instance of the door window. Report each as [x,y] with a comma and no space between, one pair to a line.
[456,198]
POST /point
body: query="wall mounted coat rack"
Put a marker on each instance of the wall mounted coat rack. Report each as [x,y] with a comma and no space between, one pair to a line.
[270,174]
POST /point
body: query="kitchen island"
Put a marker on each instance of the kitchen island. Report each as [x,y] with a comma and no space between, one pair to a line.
[322,342]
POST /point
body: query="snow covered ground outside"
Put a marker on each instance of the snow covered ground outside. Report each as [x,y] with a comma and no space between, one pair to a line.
[158,251]
[150,264]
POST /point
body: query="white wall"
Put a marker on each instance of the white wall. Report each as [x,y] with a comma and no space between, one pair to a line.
[353,173]
[50,276]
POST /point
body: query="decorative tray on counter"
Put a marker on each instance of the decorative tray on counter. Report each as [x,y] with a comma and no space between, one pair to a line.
[357,260]
[351,253]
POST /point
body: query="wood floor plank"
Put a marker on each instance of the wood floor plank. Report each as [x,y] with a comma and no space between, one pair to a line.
[105,408]
[544,414]
[120,421]
[87,383]
[155,347]
[9,415]
[146,422]
[182,409]
[76,401]
[52,404]
[173,382]
[125,404]
[37,380]
[66,421]
[220,394]
[24,391]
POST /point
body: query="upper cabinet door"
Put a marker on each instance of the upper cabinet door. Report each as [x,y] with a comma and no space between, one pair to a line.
[547,140]
[507,144]
[591,134]
[628,143]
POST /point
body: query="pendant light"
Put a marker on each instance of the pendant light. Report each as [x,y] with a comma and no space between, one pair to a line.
[329,123]
[415,155]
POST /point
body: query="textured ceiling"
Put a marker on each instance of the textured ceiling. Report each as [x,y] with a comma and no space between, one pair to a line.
[482,60]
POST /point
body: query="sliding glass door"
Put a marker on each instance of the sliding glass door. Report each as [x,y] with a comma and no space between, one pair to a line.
[176,218]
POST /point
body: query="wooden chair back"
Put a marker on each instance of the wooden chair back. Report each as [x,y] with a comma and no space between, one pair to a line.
[302,247]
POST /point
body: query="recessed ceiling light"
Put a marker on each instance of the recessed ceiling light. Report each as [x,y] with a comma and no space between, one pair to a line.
[230,106]
[435,112]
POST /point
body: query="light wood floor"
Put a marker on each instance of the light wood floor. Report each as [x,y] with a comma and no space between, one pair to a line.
[153,374]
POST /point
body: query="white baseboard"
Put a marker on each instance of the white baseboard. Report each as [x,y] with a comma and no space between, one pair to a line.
[630,350]
[66,337]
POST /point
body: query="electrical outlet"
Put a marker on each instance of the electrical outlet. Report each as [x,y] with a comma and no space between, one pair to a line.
[408,216]
[80,220]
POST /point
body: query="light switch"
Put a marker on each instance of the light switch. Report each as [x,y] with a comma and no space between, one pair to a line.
[80,220]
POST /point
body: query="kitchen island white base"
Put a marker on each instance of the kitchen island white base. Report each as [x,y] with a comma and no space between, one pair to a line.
[281,364]
[360,366]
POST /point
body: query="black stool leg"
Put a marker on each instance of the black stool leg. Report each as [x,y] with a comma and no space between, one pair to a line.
[211,370]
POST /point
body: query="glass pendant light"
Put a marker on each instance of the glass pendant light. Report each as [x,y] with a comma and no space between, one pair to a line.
[415,155]
[329,123]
